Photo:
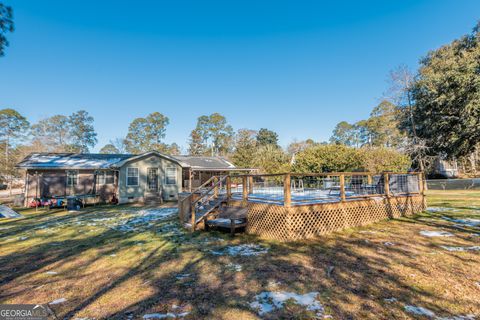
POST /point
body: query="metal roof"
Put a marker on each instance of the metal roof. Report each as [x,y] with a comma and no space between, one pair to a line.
[71,160]
[106,161]
[196,162]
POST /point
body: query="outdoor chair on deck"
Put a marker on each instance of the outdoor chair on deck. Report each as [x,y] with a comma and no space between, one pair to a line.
[229,218]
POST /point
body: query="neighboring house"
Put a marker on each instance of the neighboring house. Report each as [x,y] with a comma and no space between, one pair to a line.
[445,168]
[129,178]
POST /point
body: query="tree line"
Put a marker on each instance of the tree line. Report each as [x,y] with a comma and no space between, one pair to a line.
[424,115]
[433,113]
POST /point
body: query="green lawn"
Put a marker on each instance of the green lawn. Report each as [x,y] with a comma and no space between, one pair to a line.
[126,262]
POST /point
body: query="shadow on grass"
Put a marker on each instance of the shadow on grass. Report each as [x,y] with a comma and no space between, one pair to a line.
[353,276]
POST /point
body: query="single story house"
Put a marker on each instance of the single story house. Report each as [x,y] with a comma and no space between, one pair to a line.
[150,176]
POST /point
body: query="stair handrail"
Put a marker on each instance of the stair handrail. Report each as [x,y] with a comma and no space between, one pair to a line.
[203,195]
[207,191]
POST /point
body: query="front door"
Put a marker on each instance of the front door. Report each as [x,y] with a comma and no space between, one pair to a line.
[152,179]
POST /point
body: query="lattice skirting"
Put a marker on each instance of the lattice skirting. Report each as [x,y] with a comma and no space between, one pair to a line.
[301,222]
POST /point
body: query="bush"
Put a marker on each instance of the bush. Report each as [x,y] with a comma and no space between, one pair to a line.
[328,158]
[340,158]
[384,159]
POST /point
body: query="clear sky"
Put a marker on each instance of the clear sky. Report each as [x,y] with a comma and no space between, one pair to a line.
[296,67]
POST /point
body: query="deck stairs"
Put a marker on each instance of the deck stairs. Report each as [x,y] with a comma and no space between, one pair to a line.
[205,200]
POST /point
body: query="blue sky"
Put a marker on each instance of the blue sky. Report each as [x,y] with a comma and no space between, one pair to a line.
[296,67]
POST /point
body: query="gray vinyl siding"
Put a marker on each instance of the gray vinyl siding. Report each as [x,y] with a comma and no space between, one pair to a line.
[138,193]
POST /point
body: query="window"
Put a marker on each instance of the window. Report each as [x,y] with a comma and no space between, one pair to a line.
[101,177]
[105,177]
[72,178]
[109,177]
[171,175]
[132,176]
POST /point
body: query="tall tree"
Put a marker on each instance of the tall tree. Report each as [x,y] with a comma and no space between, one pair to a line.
[119,144]
[271,159]
[382,128]
[447,97]
[267,137]
[82,132]
[196,144]
[212,134]
[6,25]
[147,134]
[298,146]
[400,93]
[13,126]
[52,133]
[109,149]
[344,133]
[245,146]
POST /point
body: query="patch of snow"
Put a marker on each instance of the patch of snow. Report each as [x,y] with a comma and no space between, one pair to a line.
[440,209]
[112,255]
[420,311]
[468,222]
[145,216]
[471,248]
[23,238]
[234,266]
[7,212]
[467,317]
[390,300]
[428,233]
[182,276]
[51,272]
[58,301]
[165,315]
[267,301]
[388,244]
[242,250]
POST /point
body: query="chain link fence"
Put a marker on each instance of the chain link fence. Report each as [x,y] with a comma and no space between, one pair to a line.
[454,184]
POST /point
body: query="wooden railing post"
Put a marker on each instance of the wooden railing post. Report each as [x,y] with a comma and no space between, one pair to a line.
[287,191]
[342,187]
[192,218]
[369,179]
[250,185]
[244,190]
[215,187]
[228,181]
[386,180]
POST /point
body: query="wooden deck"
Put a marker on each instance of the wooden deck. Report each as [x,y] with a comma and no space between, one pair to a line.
[298,206]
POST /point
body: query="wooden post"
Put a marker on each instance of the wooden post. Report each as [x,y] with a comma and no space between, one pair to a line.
[27,186]
[228,181]
[386,181]
[190,174]
[36,190]
[215,187]
[192,212]
[342,187]
[369,179]
[287,191]
[250,185]
[244,190]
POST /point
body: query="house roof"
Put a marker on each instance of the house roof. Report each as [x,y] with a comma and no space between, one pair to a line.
[107,161]
[147,154]
[71,160]
[197,162]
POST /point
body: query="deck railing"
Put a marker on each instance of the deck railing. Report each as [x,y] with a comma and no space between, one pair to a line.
[289,189]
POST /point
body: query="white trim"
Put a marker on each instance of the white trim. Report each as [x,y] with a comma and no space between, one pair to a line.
[76,178]
[104,174]
[166,176]
[126,177]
